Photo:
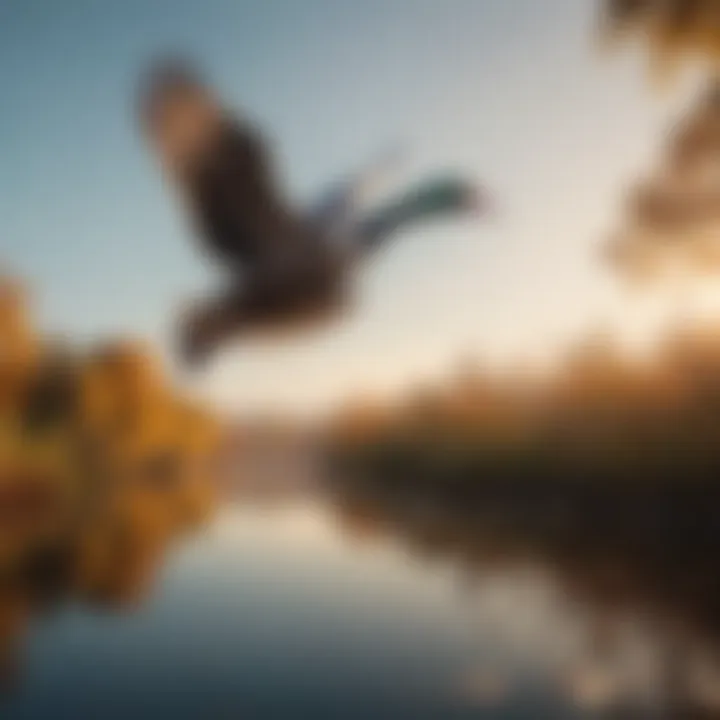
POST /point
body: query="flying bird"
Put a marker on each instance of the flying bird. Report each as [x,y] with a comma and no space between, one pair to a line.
[287,266]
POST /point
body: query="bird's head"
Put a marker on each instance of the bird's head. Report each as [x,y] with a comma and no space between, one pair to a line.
[178,112]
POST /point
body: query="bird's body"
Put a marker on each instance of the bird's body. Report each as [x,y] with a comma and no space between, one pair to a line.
[240,215]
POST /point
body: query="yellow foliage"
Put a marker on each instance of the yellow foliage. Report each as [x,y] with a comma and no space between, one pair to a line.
[127,408]
[19,346]
[124,422]
[675,31]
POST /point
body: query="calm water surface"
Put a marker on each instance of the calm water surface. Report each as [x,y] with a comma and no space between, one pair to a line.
[283,611]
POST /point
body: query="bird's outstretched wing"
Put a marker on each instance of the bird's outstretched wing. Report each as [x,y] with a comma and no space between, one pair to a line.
[222,166]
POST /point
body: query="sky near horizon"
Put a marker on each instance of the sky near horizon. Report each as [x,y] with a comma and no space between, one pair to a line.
[512,92]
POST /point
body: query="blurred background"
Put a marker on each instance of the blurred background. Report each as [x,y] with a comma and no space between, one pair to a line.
[489,490]
[519,97]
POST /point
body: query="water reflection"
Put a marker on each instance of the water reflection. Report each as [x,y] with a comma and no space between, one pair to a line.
[643,583]
[104,555]
[435,605]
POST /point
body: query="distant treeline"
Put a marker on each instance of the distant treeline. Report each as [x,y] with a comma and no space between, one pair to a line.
[600,418]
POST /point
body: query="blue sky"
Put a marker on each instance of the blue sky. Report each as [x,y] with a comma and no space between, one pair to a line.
[510,91]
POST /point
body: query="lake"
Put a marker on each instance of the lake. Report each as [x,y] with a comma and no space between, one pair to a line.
[303,607]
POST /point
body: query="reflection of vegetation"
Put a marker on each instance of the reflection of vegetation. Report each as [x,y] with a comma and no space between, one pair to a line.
[101,465]
[646,558]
